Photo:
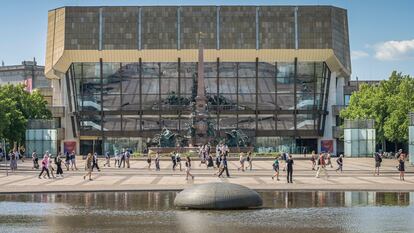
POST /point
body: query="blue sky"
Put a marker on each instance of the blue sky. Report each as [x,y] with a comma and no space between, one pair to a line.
[381,32]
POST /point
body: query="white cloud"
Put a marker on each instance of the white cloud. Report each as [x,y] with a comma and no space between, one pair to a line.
[357,54]
[395,50]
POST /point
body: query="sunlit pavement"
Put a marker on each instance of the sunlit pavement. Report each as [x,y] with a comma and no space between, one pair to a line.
[357,175]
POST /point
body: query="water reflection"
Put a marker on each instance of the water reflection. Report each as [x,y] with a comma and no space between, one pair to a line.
[154,212]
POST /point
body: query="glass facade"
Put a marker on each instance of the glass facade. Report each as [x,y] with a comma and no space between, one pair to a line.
[264,99]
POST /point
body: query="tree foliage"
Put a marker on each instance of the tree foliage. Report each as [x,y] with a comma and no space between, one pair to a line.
[16,107]
[387,103]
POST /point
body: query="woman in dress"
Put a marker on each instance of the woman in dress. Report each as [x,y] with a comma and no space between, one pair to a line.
[88,166]
[188,168]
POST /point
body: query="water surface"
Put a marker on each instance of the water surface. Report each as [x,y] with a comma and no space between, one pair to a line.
[154,212]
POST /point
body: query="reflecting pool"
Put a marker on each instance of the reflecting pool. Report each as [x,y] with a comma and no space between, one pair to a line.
[154,212]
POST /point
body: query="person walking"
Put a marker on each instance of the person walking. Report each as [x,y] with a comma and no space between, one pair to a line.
[340,162]
[178,159]
[35,160]
[13,161]
[313,160]
[289,167]
[116,159]
[328,158]
[45,166]
[107,159]
[173,160]
[127,157]
[225,167]
[50,167]
[241,161]
[401,166]
[322,166]
[122,159]
[149,161]
[249,160]
[73,161]
[285,157]
[88,166]
[157,162]
[58,162]
[95,162]
[67,160]
[275,166]
[378,161]
[188,168]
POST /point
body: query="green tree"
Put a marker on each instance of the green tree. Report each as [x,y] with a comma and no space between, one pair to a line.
[16,107]
[387,103]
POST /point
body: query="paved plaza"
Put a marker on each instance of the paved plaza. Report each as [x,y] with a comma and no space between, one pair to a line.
[357,175]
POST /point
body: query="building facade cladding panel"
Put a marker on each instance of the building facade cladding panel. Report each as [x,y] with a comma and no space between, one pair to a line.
[82,28]
[196,19]
[159,28]
[276,27]
[315,27]
[340,36]
[120,27]
[237,27]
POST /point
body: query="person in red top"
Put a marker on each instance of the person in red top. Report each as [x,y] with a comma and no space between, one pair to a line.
[322,166]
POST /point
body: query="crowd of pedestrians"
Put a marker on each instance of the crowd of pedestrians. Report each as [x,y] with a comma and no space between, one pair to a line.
[52,166]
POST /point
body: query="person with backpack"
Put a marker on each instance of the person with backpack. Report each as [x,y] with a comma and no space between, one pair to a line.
[378,161]
[67,160]
[275,166]
[128,153]
[249,160]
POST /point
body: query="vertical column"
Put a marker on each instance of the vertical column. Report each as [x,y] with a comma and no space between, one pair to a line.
[100,28]
[218,26]
[257,28]
[218,94]
[257,96]
[179,92]
[159,94]
[121,97]
[296,29]
[237,95]
[140,94]
[140,29]
[179,28]
[102,103]
[276,106]
[295,77]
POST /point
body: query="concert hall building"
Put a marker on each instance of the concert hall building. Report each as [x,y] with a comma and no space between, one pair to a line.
[124,73]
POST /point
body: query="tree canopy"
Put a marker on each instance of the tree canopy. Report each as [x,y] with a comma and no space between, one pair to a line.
[16,107]
[387,103]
